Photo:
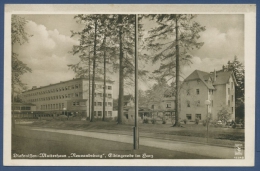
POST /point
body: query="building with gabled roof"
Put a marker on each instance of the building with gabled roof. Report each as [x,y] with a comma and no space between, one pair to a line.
[218,87]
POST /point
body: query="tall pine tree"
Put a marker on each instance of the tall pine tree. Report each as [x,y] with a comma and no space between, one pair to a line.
[171,41]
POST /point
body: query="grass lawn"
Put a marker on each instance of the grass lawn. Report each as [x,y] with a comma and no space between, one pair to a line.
[188,132]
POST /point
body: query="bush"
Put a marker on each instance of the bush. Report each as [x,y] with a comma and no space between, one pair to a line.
[197,120]
[204,122]
[163,122]
[234,125]
[185,121]
[178,124]
[153,121]
[146,120]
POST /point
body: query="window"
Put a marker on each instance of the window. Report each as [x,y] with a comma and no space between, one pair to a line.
[232,98]
[212,103]
[198,91]
[198,116]
[99,103]
[228,102]
[100,94]
[99,113]
[231,85]
[198,103]
[228,91]
[76,86]
[168,105]
[72,87]
[152,106]
[188,92]
[188,103]
[74,103]
[188,116]
[77,103]
[95,103]
[95,113]
[109,95]
[109,113]
[109,87]
[232,109]
[109,103]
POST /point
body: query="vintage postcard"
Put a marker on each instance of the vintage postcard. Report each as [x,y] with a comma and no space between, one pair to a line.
[129,85]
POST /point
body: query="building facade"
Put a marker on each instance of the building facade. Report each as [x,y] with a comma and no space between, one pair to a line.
[21,110]
[218,88]
[70,98]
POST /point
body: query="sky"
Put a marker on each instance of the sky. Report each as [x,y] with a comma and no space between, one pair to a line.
[47,52]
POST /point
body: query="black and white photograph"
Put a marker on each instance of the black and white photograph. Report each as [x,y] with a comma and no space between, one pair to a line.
[143,85]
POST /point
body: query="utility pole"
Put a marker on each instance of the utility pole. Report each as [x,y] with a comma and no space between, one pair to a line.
[89,102]
[177,72]
[136,132]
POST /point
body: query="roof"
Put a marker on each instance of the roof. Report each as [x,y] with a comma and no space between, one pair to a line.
[222,77]
[203,76]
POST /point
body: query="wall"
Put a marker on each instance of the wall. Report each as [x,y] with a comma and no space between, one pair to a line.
[193,98]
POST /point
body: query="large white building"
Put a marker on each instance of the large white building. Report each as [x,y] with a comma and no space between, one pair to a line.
[70,97]
[217,87]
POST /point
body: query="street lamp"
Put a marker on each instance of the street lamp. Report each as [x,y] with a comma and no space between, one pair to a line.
[65,113]
[207,103]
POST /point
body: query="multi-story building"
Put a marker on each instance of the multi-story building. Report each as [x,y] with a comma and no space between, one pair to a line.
[218,88]
[70,97]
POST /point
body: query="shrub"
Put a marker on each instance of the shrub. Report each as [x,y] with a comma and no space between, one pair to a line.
[153,121]
[178,124]
[185,121]
[163,122]
[234,125]
[204,122]
[146,120]
[197,121]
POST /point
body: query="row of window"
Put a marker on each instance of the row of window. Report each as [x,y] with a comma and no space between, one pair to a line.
[52,106]
[54,90]
[102,94]
[62,89]
[189,116]
[197,103]
[100,103]
[99,113]
[197,92]
[71,95]
[21,108]
[101,86]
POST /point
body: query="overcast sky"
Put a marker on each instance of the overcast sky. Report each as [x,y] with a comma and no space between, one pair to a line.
[47,51]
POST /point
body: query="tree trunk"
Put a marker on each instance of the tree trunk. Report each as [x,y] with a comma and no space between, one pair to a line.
[104,89]
[177,73]
[93,75]
[121,75]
